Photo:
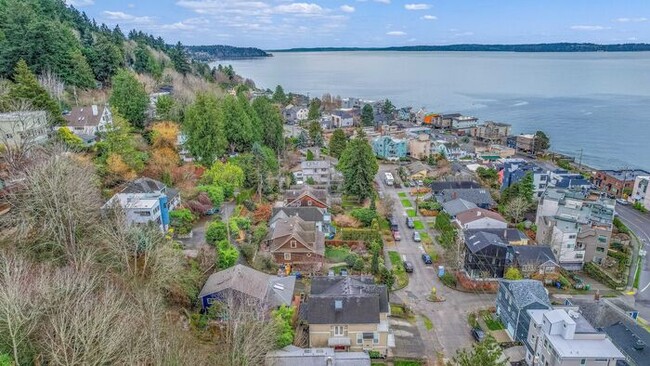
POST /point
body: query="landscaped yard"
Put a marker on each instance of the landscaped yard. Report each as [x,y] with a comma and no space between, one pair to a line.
[427,322]
[492,324]
[411,212]
[406,203]
[402,194]
[424,235]
[336,254]
[401,277]
[418,225]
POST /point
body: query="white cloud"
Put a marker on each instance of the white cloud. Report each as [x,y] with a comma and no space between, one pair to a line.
[383,1]
[429,17]
[632,39]
[347,8]
[396,33]
[631,20]
[417,6]
[80,3]
[124,18]
[464,34]
[588,27]
[299,8]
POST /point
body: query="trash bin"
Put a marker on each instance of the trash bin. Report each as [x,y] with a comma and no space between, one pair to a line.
[587,287]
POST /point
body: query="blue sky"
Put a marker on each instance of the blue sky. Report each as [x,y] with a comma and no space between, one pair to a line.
[312,23]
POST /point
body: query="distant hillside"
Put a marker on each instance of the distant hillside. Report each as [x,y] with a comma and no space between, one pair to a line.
[220,52]
[541,47]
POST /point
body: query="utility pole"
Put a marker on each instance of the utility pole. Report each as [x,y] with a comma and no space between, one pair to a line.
[580,160]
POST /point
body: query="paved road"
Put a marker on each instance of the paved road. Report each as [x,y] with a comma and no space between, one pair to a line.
[640,224]
[451,331]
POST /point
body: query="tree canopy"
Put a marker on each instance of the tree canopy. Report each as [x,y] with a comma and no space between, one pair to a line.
[338,142]
[129,97]
[359,167]
[367,115]
[204,129]
[27,88]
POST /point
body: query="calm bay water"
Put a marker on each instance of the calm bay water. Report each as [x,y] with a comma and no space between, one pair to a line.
[598,102]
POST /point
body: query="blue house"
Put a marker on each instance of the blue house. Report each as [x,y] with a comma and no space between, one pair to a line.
[514,170]
[387,147]
[248,286]
[514,299]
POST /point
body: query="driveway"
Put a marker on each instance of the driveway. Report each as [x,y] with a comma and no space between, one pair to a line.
[451,331]
[198,237]
[640,224]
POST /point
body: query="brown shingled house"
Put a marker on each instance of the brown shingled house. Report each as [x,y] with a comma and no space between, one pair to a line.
[306,197]
[296,242]
[88,120]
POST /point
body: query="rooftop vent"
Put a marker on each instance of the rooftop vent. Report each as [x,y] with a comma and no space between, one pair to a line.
[279,286]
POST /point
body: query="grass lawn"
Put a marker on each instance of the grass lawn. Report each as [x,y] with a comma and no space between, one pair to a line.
[411,212]
[418,225]
[406,363]
[427,322]
[406,203]
[401,277]
[424,234]
[637,274]
[402,194]
[397,311]
[491,323]
[336,254]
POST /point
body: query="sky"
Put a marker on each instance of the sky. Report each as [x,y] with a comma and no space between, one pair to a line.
[270,24]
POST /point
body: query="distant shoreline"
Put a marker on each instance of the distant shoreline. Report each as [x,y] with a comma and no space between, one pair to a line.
[532,48]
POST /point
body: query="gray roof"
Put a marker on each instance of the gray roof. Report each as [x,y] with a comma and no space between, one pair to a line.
[360,300]
[526,292]
[628,174]
[293,194]
[476,240]
[509,235]
[84,116]
[310,214]
[533,254]
[315,164]
[295,356]
[454,207]
[464,184]
[302,230]
[274,290]
[478,196]
[602,313]
[628,336]
[144,185]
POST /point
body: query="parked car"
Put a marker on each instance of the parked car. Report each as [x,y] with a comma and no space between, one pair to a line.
[409,223]
[478,334]
[416,237]
[393,224]
[408,267]
[426,259]
[396,235]
[622,202]
[343,272]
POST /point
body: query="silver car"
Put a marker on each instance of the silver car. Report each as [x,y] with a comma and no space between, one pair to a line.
[416,237]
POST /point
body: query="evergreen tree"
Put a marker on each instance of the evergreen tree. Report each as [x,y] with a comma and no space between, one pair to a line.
[129,97]
[279,96]
[484,353]
[80,74]
[105,58]
[542,142]
[367,115]
[374,264]
[26,87]
[315,129]
[338,142]
[314,109]
[318,140]
[204,128]
[179,59]
[257,127]
[302,140]
[237,127]
[272,125]
[388,108]
[359,167]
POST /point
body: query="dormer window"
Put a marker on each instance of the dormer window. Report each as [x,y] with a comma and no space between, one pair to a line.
[294,244]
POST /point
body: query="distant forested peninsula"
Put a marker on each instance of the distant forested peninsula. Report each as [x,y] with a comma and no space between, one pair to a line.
[220,52]
[540,47]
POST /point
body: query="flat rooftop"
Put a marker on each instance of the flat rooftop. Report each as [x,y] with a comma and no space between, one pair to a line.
[628,174]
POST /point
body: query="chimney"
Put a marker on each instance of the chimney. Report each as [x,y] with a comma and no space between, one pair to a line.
[454,195]
[478,213]
[338,305]
[597,295]
[95,110]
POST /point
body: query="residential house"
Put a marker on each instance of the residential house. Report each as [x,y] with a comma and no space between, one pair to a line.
[514,299]
[417,170]
[306,196]
[404,114]
[640,191]
[295,356]
[479,196]
[420,147]
[462,125]
[514,170]
[318,216]
[24,127]
[88,120]
[617,181]
[342,119]
[526,143]
[562,337]
[255,288]
[297,243]
[494,152]
[450,150]
[432,119]
[145,201]
[419,116]
[348,313]
[294,114]
[349,103]
[389,148]
[454,207]
[536,261]
[491,132]
[577,228]
[512,237]
[438,186]
[478,218]
[446,120]
[560,178]
[486,254]
[317,171]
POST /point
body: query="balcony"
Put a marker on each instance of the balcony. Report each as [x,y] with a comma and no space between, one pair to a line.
[338,341]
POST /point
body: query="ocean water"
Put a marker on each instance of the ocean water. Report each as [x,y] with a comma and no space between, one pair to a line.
[594,103]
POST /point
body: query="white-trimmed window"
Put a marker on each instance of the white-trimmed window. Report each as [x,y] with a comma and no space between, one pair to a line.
[294,244]
[287,256]
[339,331]
[375,338]
[359,338]
[309,202]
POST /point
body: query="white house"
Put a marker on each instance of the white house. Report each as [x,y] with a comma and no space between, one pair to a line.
[341,119]
[478,218]
[18,128]
[320,171]
[88,120]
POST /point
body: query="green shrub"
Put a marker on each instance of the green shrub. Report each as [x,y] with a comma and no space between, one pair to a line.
[364,215]
[359,264]
[596,273]
[448,279]
[564,282]
[181,220]
[366,235]
[374,354]
[216,232]
[621,226]
[351,259]
[227,254]
[283,316]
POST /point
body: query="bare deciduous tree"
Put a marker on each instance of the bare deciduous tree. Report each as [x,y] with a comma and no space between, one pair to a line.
[53,84]
[516,208]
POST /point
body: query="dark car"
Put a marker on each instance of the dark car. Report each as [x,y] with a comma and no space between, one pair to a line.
[408,267]
[409,223]
[478,334]
[426,259]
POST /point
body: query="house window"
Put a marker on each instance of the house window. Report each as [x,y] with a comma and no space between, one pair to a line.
[309,202]
[602,238]
[294,244]
[375,339]
[579,255]
[339,331]
[359,338]
[583,361]
[600,250]
[287,256]
[572,236]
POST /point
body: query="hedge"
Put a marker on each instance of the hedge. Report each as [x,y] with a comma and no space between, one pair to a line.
[367,235]
[595,272]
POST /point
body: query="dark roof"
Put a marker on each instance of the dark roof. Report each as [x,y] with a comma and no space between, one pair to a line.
[478,240]
[465,184]
[310,214]
[144,185]
[533,254]
[454,207]
[361,300]
[475,214]
[478,196]
[526,292]
[628,337]
[84,116]
[451,115]
[293,194]
[600,314]
[509,235]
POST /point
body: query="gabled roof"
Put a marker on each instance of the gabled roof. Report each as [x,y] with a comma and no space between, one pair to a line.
[454,207]
[308,214]
[299,229]
[144,185]
[84,116]
[477,240]
[346,300]
[416,167]
[478,196]
[508,235]
[537,254]
[526,292]
[292,195]
[274,290]
[475,214]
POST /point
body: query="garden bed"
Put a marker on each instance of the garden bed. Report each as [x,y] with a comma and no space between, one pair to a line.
[402,194]
[418,225]
[336,254]
[406,203]
[490,322]
[401,277]
[411,212]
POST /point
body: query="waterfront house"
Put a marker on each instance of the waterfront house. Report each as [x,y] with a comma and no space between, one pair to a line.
[389,148]
[616,181]
[348,313]
[462,125]
[478,218]
[514,299]
[256,289]
[295,356]
[479,196]
[560,178]
[491,132]
[526,143]
[420,147]
[486,254]
[296,242]
[88,120]
[445,120]
[306,196]
[23,127]
[494,152]
[432,119]
[342,119]
[640,193]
